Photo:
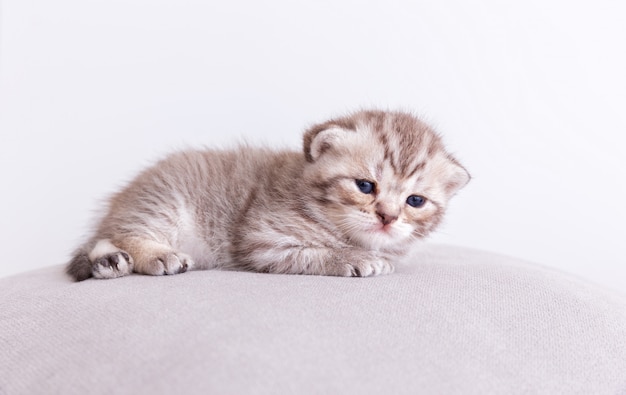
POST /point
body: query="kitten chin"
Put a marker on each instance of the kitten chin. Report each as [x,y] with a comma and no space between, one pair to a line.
[364,189]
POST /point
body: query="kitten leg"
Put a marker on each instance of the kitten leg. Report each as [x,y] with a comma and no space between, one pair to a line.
[345,262]
[155,258]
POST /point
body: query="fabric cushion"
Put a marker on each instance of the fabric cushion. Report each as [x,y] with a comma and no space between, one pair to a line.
[450,320]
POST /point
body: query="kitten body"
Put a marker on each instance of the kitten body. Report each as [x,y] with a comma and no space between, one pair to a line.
[365,188]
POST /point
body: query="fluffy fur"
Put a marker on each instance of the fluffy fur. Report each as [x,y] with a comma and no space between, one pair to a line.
[308,212]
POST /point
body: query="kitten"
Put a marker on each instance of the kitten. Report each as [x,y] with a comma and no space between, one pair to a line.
[365,188]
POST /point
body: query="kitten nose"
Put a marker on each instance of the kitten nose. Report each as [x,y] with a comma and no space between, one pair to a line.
[386,219]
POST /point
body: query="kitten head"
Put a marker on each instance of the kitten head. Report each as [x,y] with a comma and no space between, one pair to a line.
[382,178]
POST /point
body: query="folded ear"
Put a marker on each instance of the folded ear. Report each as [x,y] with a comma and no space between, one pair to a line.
[322,138]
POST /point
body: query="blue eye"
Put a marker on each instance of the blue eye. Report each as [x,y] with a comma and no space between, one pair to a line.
[365,186]
[416,201]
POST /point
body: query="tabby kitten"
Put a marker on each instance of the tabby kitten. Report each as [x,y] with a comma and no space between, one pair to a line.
[365,188]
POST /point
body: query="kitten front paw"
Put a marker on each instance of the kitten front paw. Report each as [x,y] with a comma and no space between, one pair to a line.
[113,265]
[369,268]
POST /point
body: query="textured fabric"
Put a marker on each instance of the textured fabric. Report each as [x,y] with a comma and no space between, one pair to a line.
[450,321]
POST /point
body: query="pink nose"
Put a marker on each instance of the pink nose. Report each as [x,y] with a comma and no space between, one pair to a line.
[386,219]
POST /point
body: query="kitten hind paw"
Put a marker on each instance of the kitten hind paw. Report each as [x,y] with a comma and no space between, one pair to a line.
[171,263]
[112,265]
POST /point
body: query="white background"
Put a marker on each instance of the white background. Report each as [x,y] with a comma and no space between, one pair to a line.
[530,96]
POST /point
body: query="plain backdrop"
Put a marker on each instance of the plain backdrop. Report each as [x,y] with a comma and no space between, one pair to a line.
[530,96]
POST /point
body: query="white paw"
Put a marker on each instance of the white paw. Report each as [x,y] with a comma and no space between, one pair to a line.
[173,263]
[112,265]
[369,268]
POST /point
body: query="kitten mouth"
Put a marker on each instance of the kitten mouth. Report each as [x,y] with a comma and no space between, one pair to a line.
[380,228]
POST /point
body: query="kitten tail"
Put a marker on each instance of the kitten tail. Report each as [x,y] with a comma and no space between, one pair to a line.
[79,267]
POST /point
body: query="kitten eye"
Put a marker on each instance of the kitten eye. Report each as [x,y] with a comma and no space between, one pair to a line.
[365,186]
[416,201]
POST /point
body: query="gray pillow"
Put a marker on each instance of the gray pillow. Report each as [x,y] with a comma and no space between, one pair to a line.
[449,321]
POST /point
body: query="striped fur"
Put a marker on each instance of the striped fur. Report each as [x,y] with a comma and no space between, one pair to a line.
[281,211]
